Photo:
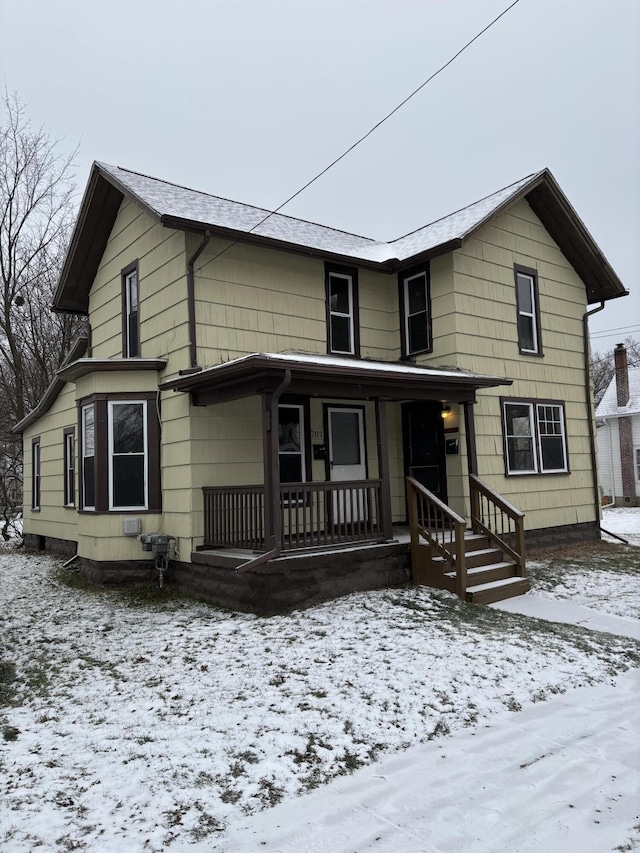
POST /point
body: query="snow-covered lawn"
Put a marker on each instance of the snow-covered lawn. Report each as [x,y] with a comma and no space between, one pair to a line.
[605,577]
[140,723]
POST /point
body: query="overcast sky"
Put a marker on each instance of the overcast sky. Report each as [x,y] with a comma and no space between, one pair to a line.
[250,99]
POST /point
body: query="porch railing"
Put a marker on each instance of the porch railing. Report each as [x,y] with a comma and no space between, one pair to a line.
[312,514]
[443,533]
[496,518]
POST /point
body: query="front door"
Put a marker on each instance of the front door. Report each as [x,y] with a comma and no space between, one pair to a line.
[347,459]
[424,452]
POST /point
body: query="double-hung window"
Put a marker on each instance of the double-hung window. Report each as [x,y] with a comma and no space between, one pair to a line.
[127,455]
[120,453]
[130,324]
[88,425]
[416,312]
[535,437]
[528,311]
[342,311]
[35,474]
[69,467]
[291,449]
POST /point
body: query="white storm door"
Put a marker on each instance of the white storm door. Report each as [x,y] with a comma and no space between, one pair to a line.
[347,461]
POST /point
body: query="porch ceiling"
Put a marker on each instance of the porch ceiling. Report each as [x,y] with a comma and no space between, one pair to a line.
[329,376]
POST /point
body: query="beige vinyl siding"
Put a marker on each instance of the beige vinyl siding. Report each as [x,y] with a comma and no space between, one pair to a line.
[487,341]
[252,299]
[53,519]
[163,316]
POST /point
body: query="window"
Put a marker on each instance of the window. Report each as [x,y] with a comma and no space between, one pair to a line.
[128,456]
[69,467]
[120,452]
[35,474]
[130,328]
[291,449]
[535,438]
[638,464]
[415,302]
[342,311]
[88,457]
[528,310]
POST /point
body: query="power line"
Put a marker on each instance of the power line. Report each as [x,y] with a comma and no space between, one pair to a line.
[370,131]
[606,332]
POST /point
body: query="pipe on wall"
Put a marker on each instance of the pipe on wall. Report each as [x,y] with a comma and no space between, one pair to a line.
[590,411]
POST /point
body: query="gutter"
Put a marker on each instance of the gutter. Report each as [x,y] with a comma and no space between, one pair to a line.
[590,412]
[191,299]
[275,485]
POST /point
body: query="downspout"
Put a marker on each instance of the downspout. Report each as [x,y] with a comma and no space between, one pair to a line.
[590,411]
[191,300]
[275,551]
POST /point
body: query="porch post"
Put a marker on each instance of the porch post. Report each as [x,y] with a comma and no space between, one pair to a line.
[271,473]
[470,430]
[383,467]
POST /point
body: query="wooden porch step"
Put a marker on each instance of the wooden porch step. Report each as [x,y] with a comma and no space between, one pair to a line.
[487,593]
[481,557]
[488,573]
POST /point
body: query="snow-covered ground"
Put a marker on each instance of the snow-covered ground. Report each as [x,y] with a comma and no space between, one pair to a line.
[165,725]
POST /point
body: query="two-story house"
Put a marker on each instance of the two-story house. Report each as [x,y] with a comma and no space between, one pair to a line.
[260,388]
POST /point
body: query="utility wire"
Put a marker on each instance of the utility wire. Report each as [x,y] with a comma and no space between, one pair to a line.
[605,332]
[370,131]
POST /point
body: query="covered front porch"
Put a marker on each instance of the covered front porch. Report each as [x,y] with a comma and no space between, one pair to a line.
[374,425]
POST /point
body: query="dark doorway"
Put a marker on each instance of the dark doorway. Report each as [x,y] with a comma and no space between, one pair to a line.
[423,443]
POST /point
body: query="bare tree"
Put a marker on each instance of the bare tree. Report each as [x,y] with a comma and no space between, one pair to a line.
[603,367]
[36,214]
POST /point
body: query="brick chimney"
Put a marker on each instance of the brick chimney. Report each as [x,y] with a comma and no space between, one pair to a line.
[622,374]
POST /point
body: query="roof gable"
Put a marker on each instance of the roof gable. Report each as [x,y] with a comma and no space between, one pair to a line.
[190,210]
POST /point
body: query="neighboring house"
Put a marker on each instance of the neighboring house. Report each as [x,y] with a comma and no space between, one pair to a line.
[257,388]
[618,419]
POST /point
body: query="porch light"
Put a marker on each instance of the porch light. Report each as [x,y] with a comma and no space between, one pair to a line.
[446,411]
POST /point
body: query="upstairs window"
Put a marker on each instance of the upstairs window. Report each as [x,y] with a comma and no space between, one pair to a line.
[342,311]
[535,437]
[35,474]
[415,307]
[130,324]
[528,311]
[69,467]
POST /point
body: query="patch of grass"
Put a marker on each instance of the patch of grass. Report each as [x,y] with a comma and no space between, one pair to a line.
[7,680]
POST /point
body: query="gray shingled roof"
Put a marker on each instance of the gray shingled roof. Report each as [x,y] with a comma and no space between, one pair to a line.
[609,404]
[175,202]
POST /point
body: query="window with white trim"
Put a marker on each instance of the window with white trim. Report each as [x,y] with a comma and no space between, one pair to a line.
[35,473]
[88,457]
[291,445]
[342,309]
[130,300]
[528,311]
[69,468]
[416,312]
[128,464]
[535,439]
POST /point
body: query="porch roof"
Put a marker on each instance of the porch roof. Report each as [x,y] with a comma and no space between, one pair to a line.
[329,376]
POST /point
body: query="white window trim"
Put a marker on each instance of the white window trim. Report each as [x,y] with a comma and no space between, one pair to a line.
[145,453]
[127,290]
[518,471]
[349,279]
[560,408]
[302,453]
[533,314]
[408,315]
[536,437]
[69,468]
[85,505]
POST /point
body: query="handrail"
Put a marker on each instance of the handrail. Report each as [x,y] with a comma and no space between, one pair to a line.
[428,515]
[498,519]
